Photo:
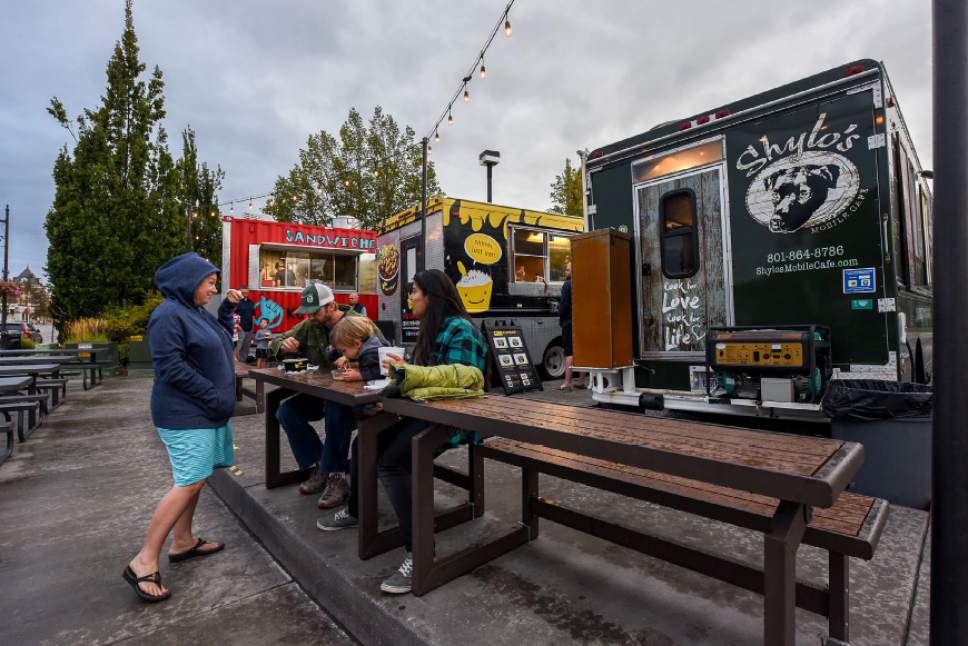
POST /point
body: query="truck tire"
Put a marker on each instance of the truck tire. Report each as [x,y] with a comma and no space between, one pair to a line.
[553,362]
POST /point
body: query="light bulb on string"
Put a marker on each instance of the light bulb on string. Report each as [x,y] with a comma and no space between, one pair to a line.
[250,204]
[483,71]
[450,117]
[376,172]
[467,95]
[436,136]
[507,26]
[347,183]
[232,209]
[430,150]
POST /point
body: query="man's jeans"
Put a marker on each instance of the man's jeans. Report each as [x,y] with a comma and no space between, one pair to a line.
[245,341]
[294,416]
[394,467]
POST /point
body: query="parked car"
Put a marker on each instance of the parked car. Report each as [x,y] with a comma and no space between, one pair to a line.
[14,332]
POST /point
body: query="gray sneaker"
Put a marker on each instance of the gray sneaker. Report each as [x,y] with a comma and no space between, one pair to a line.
[400,581]
[339,520]
[313,484]
[335,492]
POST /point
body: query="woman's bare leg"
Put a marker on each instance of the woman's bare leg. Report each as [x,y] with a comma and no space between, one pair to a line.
[169,510]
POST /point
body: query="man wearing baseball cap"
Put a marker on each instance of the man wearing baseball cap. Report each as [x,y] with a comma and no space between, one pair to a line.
[310,338]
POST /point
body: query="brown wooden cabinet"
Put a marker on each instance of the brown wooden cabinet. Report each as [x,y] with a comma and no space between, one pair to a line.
[602,299]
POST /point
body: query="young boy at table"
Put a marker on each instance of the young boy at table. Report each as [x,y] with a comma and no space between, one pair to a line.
[262,336]
[354,339]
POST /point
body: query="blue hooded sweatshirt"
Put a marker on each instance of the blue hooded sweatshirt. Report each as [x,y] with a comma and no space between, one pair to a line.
[191,351]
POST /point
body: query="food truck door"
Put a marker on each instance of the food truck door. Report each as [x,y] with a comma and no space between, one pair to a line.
[411,249]
[682,256]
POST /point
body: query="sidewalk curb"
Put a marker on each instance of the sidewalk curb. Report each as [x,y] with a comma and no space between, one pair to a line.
[341,597]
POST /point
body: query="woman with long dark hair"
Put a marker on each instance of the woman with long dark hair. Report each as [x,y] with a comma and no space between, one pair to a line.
[447,336]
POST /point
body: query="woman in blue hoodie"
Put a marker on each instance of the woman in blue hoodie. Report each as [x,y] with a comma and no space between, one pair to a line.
[191,403]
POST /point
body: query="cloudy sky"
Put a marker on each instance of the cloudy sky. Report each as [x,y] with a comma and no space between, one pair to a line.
[254,78]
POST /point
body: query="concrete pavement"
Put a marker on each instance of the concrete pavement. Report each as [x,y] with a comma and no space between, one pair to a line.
[75,501]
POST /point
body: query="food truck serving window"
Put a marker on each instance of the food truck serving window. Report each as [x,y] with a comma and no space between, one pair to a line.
[540,256]
[674,162]
[678,235]
[285,269]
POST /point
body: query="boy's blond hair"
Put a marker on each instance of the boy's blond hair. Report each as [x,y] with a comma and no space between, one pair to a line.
[350,329]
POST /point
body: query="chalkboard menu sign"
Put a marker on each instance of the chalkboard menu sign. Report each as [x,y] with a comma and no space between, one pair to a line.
[511,359]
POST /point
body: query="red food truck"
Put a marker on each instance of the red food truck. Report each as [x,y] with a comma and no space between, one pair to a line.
[276,260]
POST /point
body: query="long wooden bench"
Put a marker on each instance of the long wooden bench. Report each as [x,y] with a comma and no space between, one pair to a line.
[42,399]
[57,389]
[6,427]
[851,528]
[770,482]
[27,412]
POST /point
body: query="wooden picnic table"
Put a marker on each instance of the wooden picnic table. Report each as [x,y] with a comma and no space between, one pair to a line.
[14,384]
[801,472]
[26,361]
[371,541]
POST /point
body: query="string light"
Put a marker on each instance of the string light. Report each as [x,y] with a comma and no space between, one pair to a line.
[232,209]
[212,214]
[450,118]
[430,150]
[436,136]
[347,183]
[483,71]
[467,96]
[376,172]
[507,26]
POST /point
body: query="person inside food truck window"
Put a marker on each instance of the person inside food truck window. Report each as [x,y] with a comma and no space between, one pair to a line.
[328,459]
[356,305]
[284,277]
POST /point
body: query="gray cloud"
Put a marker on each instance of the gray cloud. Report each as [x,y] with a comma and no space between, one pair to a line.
[254,78]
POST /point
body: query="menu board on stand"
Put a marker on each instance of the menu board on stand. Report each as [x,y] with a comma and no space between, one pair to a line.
[511,359]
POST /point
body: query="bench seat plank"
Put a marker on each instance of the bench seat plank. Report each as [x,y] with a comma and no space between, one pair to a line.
[857,520]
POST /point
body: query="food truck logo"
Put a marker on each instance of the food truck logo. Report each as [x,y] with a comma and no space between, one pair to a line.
[388,266]
[803,182]
[269,311]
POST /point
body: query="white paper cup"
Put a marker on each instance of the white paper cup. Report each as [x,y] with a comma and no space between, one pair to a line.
[384,352]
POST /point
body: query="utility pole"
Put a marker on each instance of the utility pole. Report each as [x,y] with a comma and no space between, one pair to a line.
[949,505]
[423,208]
[4,341]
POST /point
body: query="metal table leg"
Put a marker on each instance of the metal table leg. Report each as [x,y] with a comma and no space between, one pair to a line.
[780,572]
[372,541]
[428,573]
[275,478]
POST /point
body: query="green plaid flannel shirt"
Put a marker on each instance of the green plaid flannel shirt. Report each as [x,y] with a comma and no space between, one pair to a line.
[460,342]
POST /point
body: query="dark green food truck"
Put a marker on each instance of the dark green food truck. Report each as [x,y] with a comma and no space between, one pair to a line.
[777,242]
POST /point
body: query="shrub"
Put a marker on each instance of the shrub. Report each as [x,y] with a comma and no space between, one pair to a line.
[87,330]
[126,321]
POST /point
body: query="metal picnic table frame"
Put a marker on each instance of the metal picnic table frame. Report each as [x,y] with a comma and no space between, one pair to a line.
[798,494]
[372,541]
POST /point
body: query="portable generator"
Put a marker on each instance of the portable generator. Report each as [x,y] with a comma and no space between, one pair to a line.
[781,363]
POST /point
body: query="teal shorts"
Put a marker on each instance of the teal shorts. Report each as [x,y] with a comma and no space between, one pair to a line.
[195,452]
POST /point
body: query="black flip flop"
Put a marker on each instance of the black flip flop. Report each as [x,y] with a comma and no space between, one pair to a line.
[134,581]
[193,552]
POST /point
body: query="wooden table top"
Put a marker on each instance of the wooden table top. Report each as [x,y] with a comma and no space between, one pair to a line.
[802,469]
[20,361]
[318,383]
[32,368]
[9,384]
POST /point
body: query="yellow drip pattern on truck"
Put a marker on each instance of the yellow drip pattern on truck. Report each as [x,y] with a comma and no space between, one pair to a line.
[738,353]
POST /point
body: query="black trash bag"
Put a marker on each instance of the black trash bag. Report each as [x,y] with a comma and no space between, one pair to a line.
[872,399]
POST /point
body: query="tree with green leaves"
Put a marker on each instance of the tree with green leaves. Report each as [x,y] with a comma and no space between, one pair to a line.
[121,201]
[369,171]
[566,194]
[200,186]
